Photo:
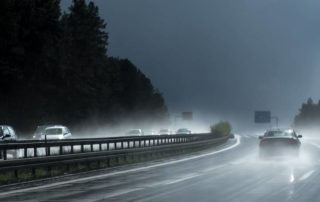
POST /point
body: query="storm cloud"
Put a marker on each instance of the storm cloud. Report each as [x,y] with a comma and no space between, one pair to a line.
[222,58]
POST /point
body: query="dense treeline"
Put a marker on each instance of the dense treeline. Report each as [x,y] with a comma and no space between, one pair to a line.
[54,68]
[309,115]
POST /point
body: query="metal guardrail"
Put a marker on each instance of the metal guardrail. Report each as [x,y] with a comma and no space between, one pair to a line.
[97,156]
[119,148]
[32,148]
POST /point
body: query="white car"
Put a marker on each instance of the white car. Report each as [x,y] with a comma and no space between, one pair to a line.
[135,132]
[183,131]
[7,133]
[56,133]
[165,132]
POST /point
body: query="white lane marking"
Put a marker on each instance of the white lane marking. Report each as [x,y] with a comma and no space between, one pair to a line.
[121,192]
[181,179]
[213,168]
[306,175]
[237,137]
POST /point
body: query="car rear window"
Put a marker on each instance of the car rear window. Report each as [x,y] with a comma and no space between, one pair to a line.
[278,134]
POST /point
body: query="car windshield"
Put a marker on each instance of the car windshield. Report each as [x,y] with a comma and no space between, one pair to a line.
[54,131]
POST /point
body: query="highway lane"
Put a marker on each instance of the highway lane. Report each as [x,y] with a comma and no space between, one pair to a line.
[230,175]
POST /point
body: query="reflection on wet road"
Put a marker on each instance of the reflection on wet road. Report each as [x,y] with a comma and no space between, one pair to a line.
[233,173]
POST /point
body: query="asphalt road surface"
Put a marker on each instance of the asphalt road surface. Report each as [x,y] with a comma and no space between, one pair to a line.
[231,172]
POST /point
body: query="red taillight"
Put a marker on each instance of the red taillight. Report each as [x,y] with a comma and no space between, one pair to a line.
[292,141]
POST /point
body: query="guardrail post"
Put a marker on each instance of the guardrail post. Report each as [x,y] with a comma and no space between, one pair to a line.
[115,145]
[35,151]
[82,148]
[61,150]
[4,154]
[25,152]
[71,149]
[108,146]
[91,145]
[139,143]
[121,144]
[100,147]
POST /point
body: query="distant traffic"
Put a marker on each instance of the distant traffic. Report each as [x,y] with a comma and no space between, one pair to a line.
[61,132]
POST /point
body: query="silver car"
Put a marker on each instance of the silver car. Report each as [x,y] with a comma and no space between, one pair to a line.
[183,131]
[7,133]
[56,133]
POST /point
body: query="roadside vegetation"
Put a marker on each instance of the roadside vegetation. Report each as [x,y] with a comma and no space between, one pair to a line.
[221,129]
[308,116]
[55,68]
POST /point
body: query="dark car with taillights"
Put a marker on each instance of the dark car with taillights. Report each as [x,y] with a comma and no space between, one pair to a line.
[279,142]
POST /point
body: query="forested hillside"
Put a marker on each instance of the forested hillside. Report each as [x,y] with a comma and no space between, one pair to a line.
[309,115]
[54,68]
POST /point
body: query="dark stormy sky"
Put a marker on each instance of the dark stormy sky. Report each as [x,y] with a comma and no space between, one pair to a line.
[222,59]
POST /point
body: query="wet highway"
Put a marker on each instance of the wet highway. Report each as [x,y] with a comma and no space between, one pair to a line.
[231,172]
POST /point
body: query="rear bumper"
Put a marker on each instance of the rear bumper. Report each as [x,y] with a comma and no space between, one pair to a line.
[291,151]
